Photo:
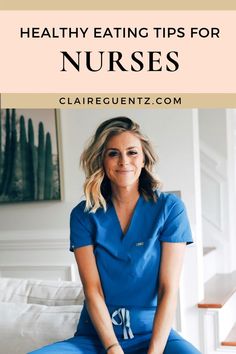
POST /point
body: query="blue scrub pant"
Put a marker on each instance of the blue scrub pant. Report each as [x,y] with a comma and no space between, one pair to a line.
[137,345]
[127,323]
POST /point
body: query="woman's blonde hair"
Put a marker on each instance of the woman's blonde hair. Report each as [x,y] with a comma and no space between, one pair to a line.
[97,187]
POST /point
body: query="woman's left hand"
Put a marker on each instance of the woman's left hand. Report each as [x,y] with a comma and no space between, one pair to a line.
[154,351]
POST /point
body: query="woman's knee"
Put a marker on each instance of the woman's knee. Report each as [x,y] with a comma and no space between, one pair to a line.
[180,346]
[48,349]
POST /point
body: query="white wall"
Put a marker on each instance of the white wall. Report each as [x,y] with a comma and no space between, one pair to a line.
[212,129]
[174,134]
[218,141]
[231,171]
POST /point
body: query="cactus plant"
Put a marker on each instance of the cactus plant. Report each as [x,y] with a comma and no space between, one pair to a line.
[41,162]
[7,154]
[15,188]
[13,152]
[48,168]
[1,152]
[56,180]
[27,171]
[27,185]
[33,160]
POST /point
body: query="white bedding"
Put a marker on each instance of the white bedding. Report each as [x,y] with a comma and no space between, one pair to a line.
[35,313]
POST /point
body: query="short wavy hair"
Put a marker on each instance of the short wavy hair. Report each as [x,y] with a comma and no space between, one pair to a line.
[97,187]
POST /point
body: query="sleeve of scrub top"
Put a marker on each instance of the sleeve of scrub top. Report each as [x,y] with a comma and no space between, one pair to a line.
[80,228]
[176,227]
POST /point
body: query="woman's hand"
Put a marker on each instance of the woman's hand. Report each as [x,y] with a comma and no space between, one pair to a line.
[116,350]
[154,352]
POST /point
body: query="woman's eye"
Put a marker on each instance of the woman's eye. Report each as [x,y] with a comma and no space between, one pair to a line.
[112,153]
[132,152]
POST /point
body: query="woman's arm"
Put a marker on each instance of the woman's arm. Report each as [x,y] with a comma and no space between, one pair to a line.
[94,296]
[170,269]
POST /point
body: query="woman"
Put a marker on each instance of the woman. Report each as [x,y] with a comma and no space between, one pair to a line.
[129,241]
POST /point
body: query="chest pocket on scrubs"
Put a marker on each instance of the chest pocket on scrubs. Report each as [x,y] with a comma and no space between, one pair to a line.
[144,255]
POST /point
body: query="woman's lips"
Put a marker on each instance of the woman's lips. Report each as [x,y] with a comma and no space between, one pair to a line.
[124,171]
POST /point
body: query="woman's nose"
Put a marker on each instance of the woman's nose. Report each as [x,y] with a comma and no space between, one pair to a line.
[123,160]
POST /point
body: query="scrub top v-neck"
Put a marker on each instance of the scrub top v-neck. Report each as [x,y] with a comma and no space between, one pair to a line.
[129,263]
[123,234]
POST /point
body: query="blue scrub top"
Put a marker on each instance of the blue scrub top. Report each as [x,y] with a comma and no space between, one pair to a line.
[129,263]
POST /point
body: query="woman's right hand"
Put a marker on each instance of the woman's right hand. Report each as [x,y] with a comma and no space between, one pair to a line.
[116,350]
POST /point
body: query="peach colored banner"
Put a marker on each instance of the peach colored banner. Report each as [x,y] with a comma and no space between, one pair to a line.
[118,5]
[198,58]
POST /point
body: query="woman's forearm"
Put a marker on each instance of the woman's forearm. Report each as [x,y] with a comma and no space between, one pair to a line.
[163,322]
[101,320]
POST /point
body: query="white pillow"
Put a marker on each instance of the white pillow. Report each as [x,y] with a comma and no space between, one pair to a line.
[45,292]
[25,327]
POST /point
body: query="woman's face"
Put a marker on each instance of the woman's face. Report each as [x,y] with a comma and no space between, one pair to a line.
[123,159]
